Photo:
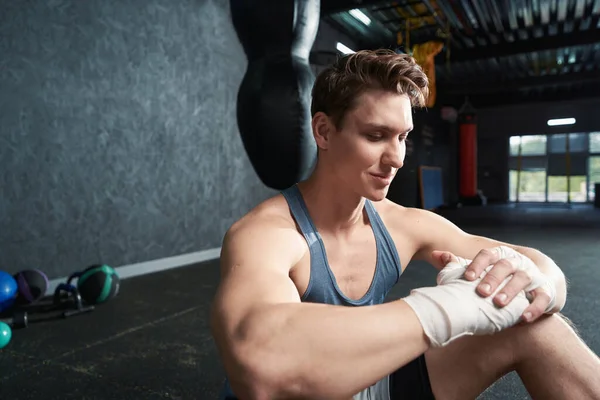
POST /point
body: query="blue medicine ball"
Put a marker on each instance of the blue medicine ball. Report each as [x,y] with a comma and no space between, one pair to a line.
[8,291]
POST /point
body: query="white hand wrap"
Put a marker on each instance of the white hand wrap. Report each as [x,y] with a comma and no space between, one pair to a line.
[454,309]
[538,279]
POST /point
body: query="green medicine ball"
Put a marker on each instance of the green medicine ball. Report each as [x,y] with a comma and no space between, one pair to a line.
[98,284]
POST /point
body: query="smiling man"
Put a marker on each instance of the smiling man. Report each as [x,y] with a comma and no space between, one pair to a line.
[300,310]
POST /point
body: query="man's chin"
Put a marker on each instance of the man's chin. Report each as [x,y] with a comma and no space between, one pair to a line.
[377,194]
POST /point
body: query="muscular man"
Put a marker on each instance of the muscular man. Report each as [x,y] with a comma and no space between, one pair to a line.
[299,313]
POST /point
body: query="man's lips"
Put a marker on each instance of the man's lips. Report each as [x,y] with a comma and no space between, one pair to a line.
[385,179]
[383,176]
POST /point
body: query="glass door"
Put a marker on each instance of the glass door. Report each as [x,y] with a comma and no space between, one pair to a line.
[594,173]
[559,190]
[567,167]
[558,168]
[527,176]
[532,186]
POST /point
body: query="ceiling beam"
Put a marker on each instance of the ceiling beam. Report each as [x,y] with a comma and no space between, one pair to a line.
[429,7]
[523,46]
[335,6]
[487,100]
[465,89]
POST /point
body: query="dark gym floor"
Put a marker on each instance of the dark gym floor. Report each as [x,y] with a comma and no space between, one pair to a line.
[153,341]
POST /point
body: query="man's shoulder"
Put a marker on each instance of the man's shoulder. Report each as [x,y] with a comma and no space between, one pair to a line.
[405,219]
[271,217]
[415,228]
[387,206]
[267,230]
[392,213]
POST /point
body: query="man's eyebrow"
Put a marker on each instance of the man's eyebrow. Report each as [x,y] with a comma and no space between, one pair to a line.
[382,127]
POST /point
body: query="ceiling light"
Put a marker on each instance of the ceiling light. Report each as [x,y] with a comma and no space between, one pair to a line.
[359,15]
[342,48]
[561,121]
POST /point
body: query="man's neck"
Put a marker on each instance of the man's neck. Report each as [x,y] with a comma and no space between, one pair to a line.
[332,207]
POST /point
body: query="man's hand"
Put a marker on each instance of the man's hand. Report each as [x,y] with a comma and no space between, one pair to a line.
[453,309]
[525,275]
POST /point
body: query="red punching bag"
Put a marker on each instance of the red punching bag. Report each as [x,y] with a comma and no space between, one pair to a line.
[468,152]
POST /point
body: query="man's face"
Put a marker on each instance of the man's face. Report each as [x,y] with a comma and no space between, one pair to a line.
[370,146]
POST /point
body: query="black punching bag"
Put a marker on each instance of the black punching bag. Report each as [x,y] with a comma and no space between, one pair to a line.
[273,104]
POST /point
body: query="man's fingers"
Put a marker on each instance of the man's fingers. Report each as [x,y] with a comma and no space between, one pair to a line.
[441,258]
[482,260]
[537,307]
[519,281]
[501,270]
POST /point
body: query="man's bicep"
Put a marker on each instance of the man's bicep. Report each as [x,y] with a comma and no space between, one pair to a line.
[254,271]
[434,232]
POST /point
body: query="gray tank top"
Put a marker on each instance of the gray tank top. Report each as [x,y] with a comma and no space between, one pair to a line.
[322,286]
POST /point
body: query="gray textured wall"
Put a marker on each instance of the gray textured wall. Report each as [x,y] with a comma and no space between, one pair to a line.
[118,138]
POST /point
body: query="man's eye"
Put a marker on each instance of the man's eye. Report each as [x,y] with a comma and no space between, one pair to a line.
[374,137]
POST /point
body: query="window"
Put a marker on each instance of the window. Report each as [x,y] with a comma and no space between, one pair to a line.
[540,169]
[513,177]
[531,185]
[577,143]
[594,173]
[595,142]
[561,190]
[534,145]
[515,141]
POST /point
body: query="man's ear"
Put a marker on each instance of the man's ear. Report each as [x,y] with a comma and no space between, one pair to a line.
[322,130]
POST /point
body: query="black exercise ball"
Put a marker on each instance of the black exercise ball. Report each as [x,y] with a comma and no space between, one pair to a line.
[98,284]
[32,285]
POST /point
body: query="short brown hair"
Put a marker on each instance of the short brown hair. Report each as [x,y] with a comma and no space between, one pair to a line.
[339,85]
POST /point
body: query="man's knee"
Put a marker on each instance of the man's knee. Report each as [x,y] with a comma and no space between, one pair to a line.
[567,321]
[547,330]
[558,321]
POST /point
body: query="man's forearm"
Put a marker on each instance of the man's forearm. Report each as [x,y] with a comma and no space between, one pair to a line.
[550,269]
[321,351]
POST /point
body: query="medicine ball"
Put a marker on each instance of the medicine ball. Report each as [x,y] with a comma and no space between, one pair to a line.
[32,285]
[98,284]
[5,334]
[8,291]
